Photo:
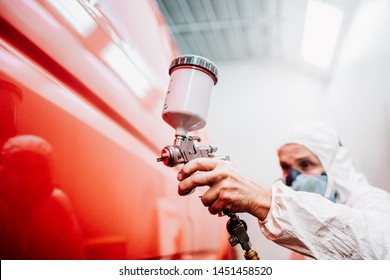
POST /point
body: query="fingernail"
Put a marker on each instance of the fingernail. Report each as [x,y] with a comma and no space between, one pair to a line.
[188,193]
[179,176]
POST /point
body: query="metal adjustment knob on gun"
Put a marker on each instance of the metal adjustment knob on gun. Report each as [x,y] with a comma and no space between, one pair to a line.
[185,109]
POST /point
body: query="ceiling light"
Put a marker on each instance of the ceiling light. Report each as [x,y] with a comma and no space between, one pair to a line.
[322,26]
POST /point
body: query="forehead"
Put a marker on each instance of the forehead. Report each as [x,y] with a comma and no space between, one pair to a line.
[293,152]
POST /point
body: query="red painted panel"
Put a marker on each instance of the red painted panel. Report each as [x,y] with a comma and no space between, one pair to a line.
[121,203]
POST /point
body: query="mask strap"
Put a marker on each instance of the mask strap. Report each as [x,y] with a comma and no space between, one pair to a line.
[329,186]
[330,181]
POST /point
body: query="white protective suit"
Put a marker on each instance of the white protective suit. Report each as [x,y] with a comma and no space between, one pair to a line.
[357,226]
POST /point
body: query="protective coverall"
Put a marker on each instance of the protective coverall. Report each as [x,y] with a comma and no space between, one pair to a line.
[357,226]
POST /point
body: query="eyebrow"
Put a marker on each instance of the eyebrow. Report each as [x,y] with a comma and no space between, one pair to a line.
[309,160]
[298,160]
[304,158]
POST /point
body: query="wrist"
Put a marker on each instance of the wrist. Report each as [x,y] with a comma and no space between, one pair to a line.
[262,203]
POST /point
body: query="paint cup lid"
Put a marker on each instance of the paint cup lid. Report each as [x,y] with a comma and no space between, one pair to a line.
[197,61]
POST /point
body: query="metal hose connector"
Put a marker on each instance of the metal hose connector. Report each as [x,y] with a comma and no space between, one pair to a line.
[251,255]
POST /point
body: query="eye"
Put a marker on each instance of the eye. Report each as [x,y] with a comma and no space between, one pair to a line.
[304,165]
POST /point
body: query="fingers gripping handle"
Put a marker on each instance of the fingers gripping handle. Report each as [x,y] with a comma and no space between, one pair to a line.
[184,150]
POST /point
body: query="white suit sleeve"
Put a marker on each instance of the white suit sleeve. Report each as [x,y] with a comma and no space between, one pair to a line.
[314,226]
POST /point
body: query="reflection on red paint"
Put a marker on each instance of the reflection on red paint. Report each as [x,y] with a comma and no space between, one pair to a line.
[37,218]
[10,97]
[103,195]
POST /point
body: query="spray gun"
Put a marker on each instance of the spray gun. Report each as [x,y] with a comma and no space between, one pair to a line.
[185,109]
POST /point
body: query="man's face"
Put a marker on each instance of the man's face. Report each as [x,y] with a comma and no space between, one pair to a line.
[300,158]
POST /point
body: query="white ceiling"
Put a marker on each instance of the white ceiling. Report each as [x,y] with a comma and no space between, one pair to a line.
[223,30]
[242,30]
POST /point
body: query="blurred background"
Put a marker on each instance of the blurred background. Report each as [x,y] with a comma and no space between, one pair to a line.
[285,61]
[91,78]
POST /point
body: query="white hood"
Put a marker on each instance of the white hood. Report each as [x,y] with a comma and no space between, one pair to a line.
[323,140]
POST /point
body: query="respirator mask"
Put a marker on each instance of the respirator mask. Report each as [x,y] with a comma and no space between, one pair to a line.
[309,183]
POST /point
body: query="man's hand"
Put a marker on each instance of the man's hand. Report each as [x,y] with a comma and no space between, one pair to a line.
[229,189]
